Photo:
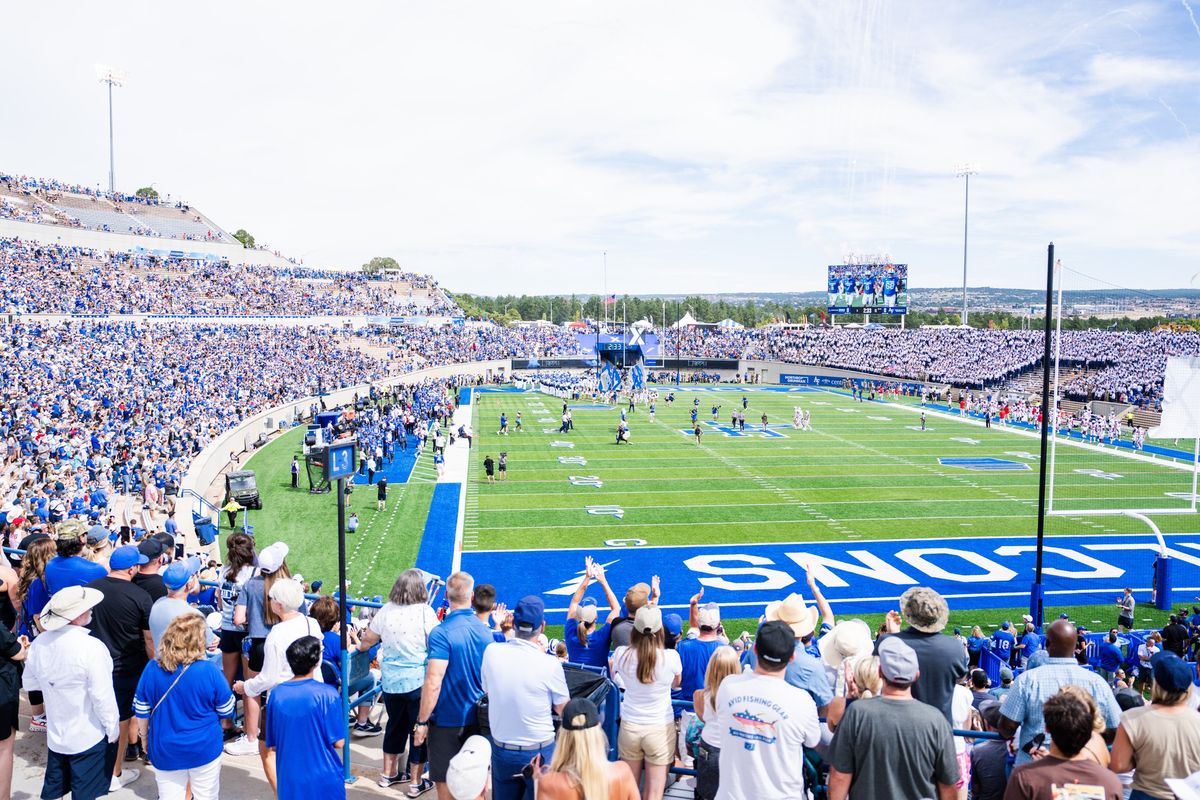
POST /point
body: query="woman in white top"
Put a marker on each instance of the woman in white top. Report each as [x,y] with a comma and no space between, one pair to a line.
[724,662]
[648,673]
[403,625]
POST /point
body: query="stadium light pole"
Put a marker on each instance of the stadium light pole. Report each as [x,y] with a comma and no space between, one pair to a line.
[965,172]
[112,77]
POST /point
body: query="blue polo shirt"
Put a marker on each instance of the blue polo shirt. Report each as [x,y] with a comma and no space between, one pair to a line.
[73,571]
[1032,643]
[460,641]
[304,719]
[595,654]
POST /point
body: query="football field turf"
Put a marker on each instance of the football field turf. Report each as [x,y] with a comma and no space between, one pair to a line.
[865,471]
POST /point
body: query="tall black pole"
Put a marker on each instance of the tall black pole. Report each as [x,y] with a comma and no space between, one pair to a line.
[342,610]
[1035,593]
[677,343]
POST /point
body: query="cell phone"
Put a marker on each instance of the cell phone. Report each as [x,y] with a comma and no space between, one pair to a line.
[1034,743]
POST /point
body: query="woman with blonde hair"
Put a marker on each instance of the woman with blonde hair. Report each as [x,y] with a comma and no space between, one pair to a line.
[580,769]
[862,681]
[724,662]
[179,703]
[648,672]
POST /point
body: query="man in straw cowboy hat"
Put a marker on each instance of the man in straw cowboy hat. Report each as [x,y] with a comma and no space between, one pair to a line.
[942,659]
[805,671]
[75,673]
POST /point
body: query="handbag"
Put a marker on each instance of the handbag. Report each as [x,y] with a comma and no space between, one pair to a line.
[150,719]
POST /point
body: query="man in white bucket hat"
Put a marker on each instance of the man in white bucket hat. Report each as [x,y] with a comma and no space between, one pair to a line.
[81,705]
[805,671]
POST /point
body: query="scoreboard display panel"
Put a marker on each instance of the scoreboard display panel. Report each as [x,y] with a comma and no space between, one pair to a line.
[868,289]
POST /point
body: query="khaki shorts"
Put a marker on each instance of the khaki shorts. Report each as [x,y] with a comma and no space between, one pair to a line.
[654,744]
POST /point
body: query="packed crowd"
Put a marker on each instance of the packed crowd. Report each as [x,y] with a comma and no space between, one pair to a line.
[471,342]
[56,279]
[128,657]
[1131,364]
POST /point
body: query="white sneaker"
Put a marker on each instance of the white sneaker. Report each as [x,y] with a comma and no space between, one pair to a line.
[37,724]
[126,777]
[242,746]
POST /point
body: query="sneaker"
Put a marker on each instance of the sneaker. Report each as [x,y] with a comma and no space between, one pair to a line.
[126,777]
[418,789]
[364,729]
[37,724]
[232,733]
[134,751]
[242,746]
[391,780]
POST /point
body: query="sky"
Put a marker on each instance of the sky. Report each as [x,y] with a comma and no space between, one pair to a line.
[704,146]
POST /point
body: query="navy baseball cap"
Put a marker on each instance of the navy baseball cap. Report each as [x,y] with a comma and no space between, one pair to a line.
[529,614]
[126,557]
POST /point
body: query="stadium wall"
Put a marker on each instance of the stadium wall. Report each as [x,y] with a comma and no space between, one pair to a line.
[208,465]
[101,240]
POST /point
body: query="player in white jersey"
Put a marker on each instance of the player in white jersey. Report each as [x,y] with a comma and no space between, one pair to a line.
[797,417]
[806,421]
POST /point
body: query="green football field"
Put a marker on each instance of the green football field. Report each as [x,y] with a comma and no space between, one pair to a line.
[865,471]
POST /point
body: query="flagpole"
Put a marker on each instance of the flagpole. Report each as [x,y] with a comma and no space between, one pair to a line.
[624,333]
[606,289]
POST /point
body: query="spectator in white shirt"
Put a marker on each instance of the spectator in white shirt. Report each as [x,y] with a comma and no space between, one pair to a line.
[286,598]
[524,684]
[73,670]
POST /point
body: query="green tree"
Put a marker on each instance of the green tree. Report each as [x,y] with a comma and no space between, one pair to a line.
[147,193]
[379,264]
[243,236]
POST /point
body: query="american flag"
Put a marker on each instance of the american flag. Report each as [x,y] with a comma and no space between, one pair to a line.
[608,301]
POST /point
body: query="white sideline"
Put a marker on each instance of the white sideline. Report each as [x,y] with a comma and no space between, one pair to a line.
[458,462]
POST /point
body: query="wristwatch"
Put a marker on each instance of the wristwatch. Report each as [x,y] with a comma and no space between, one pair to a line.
[424,724]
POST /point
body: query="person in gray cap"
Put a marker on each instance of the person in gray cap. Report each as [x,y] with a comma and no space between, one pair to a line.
[890,746]
[943,661]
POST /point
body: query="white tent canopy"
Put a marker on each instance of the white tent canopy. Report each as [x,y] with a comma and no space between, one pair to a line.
[687,320]
[729,324]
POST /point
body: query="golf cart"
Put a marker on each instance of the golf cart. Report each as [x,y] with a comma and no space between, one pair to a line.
[241,486]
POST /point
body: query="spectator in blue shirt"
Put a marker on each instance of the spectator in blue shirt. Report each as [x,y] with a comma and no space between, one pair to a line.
[1030,644]
[1003,642]
[976,644]
[305,728]
[179,703]
[453,679]
[69,568]
[1109,657]
[587,642]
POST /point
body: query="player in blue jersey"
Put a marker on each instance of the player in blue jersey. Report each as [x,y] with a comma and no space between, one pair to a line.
[889,290]
[1003,642]
[847,291]
[503,425]
[715,409]
[695,414]
[835,285]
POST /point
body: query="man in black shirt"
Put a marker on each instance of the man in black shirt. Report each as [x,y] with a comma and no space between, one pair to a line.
[122,622]
[147,577]
[1175,637]
[943,660]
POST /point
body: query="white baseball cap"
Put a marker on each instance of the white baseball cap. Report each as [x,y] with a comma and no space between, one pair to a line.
[467,775]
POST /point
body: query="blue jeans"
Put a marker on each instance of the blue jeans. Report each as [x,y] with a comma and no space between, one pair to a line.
[1138,794]
[507,781]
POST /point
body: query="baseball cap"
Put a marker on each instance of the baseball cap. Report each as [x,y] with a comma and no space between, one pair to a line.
[775,643]
[125,557]
[467,775]
[648,619]
[580,707]
[96,534]
[586,611]
[1005,625]
[178,573]
[709,616]
[672,624]
[271,557]
[151,548]
[529,614]
[1171,672]
[71,529]
[637,596]
[1027,618]
[166,540]
[897,661]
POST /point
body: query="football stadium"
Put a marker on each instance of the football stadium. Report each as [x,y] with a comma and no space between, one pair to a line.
[637,467]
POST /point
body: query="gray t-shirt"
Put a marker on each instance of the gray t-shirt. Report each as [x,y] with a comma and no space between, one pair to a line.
[898,749]
[252,598]
[162,612]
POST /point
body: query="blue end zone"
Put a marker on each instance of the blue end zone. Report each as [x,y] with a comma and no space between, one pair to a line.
[592,408]
[857,577]
[437,542]
[984,464]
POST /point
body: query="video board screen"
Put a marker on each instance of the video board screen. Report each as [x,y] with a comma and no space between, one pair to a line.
[868,289]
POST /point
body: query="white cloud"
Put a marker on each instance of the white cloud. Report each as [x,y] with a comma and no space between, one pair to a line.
[704,145]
